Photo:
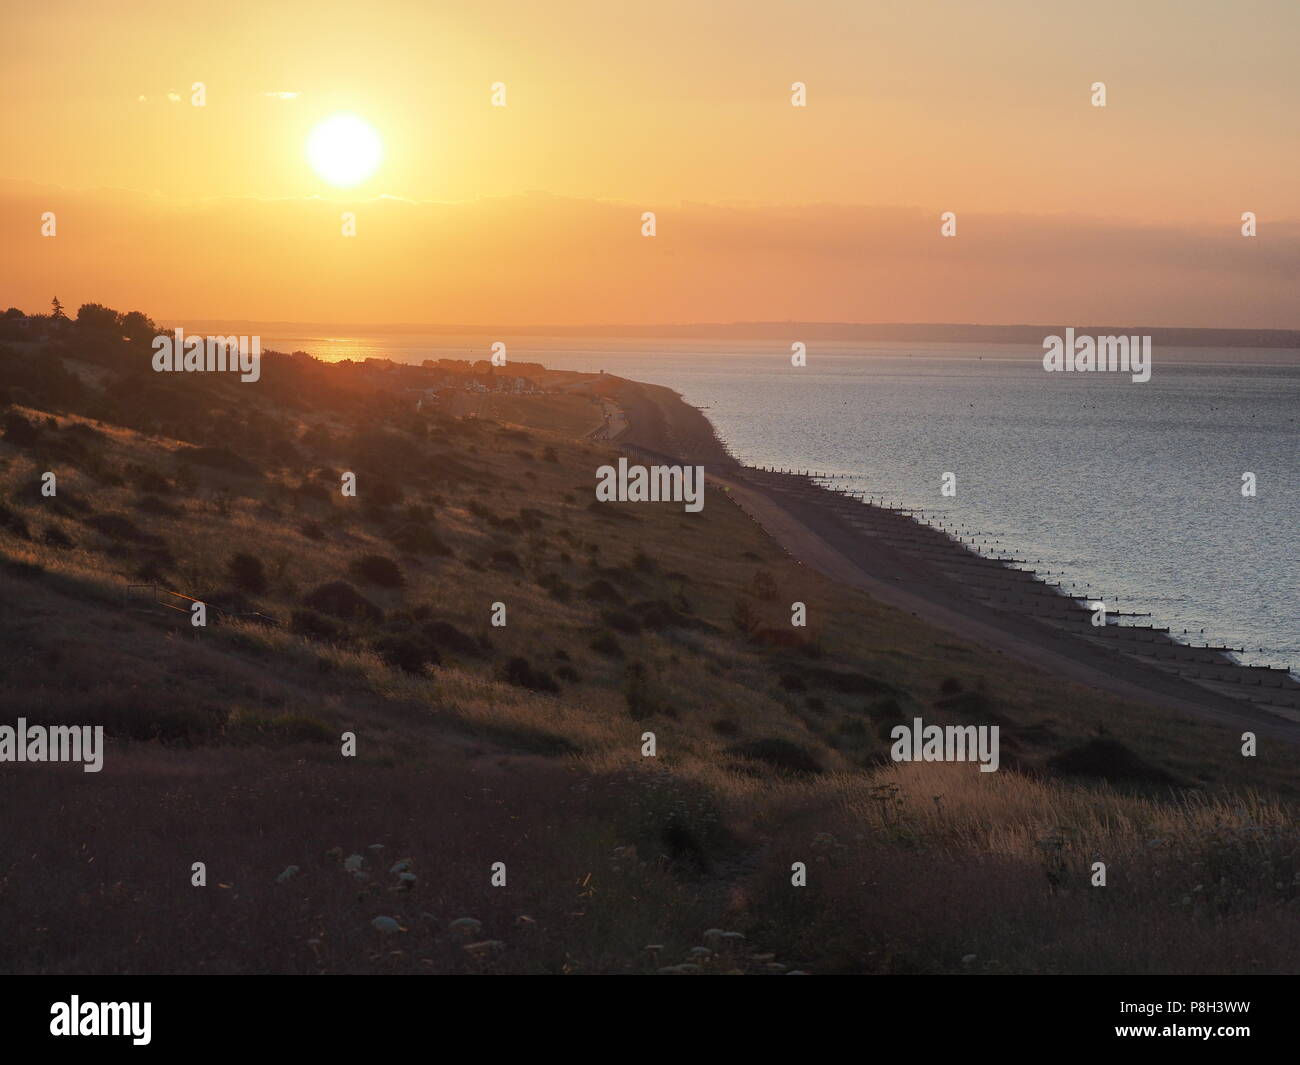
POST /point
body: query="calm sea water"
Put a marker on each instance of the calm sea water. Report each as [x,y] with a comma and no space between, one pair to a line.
[1130,492]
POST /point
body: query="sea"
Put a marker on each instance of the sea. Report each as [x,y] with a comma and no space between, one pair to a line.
[1123,492]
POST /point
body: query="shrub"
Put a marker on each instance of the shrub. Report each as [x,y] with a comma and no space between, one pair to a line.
[120,527]
[504,560]
[406,652]
[312,530]
[151,504]
[56,537]
[601,591]
[417,539]
[558,588]
[621,622]
[445,635]
[517,671]
[782,755]
[220,458]
[150,481]
[19,431]
[246,573]
[655,615]
[316,492]
[376,569]
[314,625]
[745,618]
[848,683]
[13,522]
[339,599]
[643,696]
[606,644]
[764,586]
[1110,760]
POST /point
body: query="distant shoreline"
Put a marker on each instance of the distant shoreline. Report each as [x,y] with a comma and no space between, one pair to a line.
[964,333]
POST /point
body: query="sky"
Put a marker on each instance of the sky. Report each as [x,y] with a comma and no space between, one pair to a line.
[531,213]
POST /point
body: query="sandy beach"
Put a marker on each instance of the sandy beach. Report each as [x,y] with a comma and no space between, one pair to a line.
[911,566]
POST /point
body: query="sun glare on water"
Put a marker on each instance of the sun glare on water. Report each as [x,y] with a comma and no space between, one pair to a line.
[344,149]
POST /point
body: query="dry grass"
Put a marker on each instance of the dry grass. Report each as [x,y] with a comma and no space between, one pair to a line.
[224,741]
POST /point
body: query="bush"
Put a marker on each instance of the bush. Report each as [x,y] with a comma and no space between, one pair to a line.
[151,504]
[19,431]
[246,573]
[308,490]
[504,560]
[606,644]
[792,682]
[781,755]
[417,539]
[558,588]
[445,635]
[764,586]
[620,622]
[640,692]
[13,522]
[314,625]
[1110,760]
[601,591]
[340,600]
[56,537]
[150,481]
[656,615]
[312,530]
[406,652]
[376,569]
[119,527]
[517,671]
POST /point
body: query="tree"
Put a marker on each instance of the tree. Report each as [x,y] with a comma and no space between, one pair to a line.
[97,316]
[14,312]
[57,313]
[137,326]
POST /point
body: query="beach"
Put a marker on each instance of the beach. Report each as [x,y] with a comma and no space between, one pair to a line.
[911,566]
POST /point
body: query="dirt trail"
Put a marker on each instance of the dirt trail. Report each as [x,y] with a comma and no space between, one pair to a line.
[1055,653]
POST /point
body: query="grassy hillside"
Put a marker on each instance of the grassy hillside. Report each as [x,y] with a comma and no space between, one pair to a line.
[522,743]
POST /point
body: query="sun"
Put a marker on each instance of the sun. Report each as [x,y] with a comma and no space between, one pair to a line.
[344,149]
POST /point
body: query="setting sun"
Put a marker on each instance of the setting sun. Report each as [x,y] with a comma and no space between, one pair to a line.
[344,149]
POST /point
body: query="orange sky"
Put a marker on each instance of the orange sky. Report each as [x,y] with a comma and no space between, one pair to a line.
[531,213]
